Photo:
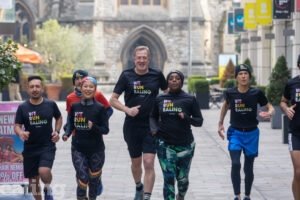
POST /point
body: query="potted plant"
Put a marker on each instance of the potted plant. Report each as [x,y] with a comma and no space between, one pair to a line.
[67,86]
[278,78]
[191,82]
[53,91]
[202,93]
[8,63]
[200,87]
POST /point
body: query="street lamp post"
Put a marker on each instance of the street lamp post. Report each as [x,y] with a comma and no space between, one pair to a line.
[189,41]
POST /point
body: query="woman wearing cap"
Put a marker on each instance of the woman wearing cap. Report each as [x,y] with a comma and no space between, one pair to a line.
[243,133]
[290,105]
[171,118]
[90,121]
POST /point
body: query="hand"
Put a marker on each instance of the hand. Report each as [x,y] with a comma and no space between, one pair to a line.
[64,138]
[290,112]
[55,137]
[153,134]
[90,124]
[181,115]
[133,111]
[221,131]
[24,135]
[265,115]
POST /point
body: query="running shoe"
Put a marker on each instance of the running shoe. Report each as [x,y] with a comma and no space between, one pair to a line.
[139,193]
[246,198]
[100,188]
[179,198]
[48,194]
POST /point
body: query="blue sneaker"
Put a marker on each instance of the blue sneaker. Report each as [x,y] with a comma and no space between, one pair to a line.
[48,194]
[246,198]
[139,194]
[236,198]
[100,188]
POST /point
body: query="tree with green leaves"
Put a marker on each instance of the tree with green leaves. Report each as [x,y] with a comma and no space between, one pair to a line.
[63,48]
[8,62]
[252,79]
[278,78]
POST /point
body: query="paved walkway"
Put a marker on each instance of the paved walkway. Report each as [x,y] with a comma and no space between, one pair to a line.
[210,170]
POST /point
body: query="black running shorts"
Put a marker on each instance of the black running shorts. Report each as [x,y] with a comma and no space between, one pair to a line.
[32,163]
[138,138]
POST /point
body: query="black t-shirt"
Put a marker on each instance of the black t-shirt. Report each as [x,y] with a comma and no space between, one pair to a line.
[292,93]
[243,106]
[140,89]
[168,125]
[37,119]
[85,139]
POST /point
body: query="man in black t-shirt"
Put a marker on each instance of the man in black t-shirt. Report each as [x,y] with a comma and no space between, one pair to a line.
[290,105]
[36,114]
[243,133]
[141,85]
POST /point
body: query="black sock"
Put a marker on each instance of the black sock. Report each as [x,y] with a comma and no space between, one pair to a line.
[139,186]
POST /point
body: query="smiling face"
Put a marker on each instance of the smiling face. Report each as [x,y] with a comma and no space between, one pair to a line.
[88,89]
[35,89]
[174,82]
[141,61]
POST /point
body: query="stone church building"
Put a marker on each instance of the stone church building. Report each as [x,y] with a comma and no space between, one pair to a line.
[182,34]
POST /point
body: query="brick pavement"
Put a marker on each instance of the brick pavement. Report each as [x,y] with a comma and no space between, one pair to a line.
[210,170]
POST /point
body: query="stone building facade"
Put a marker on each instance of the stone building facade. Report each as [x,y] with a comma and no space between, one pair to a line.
[181,34]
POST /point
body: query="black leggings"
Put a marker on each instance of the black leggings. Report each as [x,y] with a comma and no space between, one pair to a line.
[88,167]
[235,172]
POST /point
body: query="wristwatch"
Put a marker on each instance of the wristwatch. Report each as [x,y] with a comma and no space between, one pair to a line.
[57,131]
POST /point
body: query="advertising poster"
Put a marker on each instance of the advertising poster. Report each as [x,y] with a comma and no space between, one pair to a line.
[249,15]
[230,22]
[263,12]
[11,147]
[8,106]
[282,9]
[224,60]
[239,20]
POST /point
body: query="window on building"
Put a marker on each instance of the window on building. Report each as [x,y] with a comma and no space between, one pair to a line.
[162,3]
[123,2]
[146,2]
[156,2]
[134,2]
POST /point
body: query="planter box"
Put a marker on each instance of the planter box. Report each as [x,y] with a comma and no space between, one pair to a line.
[276,120]
[285,129]
[203,100]
[53,91]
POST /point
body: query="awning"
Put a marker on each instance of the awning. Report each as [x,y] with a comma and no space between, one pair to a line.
[26,55]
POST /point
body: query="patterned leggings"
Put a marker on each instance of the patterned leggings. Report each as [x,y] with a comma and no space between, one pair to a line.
[175,162]
[88,167]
